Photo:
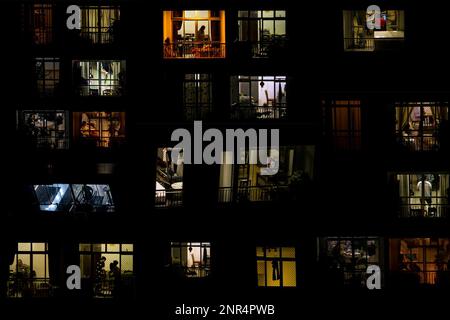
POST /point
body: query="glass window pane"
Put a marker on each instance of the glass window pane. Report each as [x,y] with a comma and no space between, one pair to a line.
[85,265]
[127,248]
[113,247]
[40,266]
[39,247]
[273,273]
[24,246]
[261,272]
[126,264]
[273,252]
[288,252]
[289,274]
[259,251]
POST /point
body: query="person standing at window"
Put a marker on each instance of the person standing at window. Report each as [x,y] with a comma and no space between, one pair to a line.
[424,186]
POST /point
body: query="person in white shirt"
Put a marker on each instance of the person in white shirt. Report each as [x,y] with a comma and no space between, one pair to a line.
[424,186]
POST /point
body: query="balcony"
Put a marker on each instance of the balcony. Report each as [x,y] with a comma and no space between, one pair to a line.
[274,111]
[20,287]
[263,49]
[255,194]
[197,112]
[418,207]
[168,198]
[194,50]
[370,44]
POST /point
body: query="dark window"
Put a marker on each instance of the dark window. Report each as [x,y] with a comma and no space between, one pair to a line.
[41,23]
[343,124]
[197,94]
[46,76]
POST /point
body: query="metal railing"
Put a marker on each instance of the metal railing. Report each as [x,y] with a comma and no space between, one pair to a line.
[263,49]
[194,50]
[197,112]
[359,44]
[253,194]
[53,143]
[418,207]
[277,111]
[98,37]
[18,287]
[419,143]
[168,198]
[372,44]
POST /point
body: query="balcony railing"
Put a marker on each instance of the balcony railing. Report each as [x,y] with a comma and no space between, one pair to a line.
[111,288]
[194,50]
[359,44]
[197,112]
[418,207]
[97,37]
[18,287]
[253,194]
[263,49]
[168,198]
[372,44]
[102,142]
[54,143]
[277,111]
[419,143]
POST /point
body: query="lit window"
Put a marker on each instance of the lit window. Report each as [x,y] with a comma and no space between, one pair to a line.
[420,125]
[99,78]
[193,259]
[100,24]
[29,272]
[357,37]
[258,97]
[74,197]
[244,182]
[45,129]
[107,269]
[103,129]
[419,261]
[265,31]
[276,267]
[169,177]
[194,34]
[423,195]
